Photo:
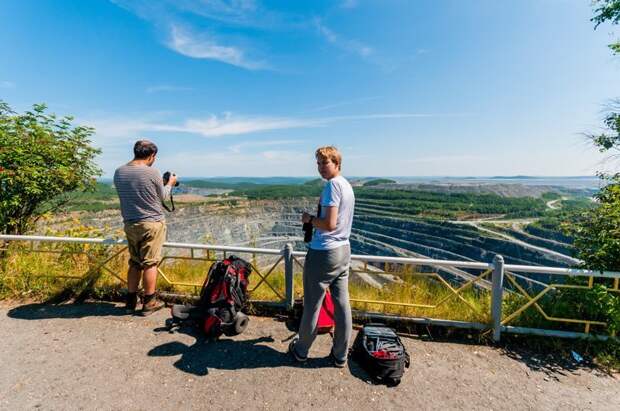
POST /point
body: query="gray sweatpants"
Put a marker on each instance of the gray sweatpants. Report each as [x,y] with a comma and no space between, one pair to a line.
[322,269]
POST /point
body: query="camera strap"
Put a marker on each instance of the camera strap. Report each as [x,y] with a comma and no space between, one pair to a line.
[171,203]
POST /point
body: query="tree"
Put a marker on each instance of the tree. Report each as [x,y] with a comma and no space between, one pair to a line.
[42,158]
[597,232]
[609,10]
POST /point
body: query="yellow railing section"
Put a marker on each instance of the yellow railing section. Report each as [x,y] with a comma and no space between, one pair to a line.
[533,301]
[99,264]
[453,292]
[471,300]
[211,257]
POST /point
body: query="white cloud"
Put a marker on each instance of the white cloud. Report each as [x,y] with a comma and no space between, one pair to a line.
[228,124]
[166,88]
[7,84]
[351,46]
[202,47]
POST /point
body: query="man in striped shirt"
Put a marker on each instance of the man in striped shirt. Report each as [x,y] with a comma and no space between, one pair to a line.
[141,192]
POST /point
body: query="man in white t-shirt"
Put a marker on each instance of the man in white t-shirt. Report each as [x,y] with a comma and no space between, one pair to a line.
[327,261]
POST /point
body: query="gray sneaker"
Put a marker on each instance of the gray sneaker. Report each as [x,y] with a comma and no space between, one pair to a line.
[336,362]
[293,353]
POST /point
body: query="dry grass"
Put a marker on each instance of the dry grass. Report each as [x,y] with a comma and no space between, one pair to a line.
[58,267]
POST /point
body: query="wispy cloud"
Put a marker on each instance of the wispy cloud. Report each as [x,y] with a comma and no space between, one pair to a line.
[237,148]
[351,46]
[183,41]
[166,88]
[231,125]
[7,84]
[242,13]
[178,23]
[228,124]
[341,104]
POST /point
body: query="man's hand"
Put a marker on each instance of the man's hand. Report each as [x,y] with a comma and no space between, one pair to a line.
[305,218]
[172,181]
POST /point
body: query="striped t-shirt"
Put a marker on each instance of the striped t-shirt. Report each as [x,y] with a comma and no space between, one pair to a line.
[141,191]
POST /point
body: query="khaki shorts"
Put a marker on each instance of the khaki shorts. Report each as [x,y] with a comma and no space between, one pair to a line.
[145,240]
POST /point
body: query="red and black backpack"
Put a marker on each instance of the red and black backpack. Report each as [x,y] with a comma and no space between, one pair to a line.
[223,296]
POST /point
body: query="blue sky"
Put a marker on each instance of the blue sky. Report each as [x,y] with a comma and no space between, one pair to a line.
[251,88]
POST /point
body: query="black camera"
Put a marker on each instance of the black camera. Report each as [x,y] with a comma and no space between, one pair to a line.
[307,229]
[166,178]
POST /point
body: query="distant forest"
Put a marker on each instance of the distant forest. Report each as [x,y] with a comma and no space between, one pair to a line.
[372,199]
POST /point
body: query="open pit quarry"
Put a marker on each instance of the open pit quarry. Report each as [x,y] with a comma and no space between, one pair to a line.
[273,223]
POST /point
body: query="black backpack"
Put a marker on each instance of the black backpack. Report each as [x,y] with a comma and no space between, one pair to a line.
[223,296]
[380,352]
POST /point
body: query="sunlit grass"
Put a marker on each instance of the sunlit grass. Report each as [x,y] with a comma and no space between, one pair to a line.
[43,274]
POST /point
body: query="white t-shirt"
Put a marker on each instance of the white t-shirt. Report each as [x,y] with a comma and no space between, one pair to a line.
[336,193]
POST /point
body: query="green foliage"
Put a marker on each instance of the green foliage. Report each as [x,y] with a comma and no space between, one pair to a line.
[559,224]
[41,158]
[597,233]
[550,195]
[596,303]
[610,138]
[103,197]
[607,10]
[447,205]
[597,241]
[316,182]
[272,192]
[378,182]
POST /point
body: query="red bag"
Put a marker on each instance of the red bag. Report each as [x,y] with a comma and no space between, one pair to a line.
[325,324]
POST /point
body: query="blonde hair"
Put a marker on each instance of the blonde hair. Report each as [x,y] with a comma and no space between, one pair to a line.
[331,153]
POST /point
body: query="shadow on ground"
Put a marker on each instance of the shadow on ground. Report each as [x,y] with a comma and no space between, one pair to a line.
[553,363]
[237,353]
[227,354]
[545,355]
[47,311]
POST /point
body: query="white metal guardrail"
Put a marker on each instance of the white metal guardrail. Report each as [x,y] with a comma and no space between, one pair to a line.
[500,275]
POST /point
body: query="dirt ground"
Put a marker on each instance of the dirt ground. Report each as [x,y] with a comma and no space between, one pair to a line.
[92,356]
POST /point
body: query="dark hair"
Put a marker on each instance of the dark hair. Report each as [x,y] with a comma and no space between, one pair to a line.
[144,149]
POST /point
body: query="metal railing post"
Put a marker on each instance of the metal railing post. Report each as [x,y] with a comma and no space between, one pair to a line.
[288,275]
[497,293]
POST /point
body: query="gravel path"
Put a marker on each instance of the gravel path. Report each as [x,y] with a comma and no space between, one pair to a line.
[91,356]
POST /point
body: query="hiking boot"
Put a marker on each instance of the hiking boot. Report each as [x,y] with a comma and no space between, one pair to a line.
[131,303]
[336,362]
[293,353]
[151,306]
